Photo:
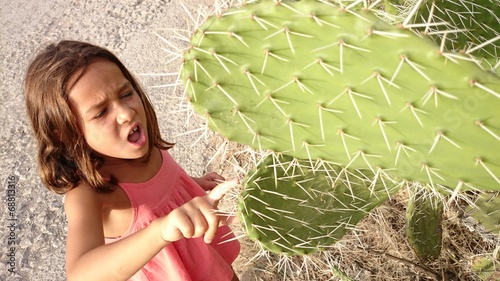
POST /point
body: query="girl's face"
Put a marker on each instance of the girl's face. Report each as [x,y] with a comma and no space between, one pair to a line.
[109,111]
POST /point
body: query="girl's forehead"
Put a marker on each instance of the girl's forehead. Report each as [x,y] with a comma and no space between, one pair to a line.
[101,68]
[99,75]
[96,67]
[96,81]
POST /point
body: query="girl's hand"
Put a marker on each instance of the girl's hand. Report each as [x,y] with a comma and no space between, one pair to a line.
[209,181]
[198,217]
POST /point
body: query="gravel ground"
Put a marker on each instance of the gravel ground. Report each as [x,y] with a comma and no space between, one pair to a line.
[34,229]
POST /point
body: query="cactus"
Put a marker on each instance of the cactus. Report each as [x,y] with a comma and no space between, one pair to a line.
[294,207]
[390,6]
[316,81]
[463,26]
[487,211]
[334,84]
[424,215]
[340,275]
[486,267]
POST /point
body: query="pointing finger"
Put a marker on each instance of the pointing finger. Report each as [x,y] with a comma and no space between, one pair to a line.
[215,177]
[220,190]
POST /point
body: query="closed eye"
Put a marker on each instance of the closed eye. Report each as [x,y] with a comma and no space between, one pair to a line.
[127,95]
[101,113]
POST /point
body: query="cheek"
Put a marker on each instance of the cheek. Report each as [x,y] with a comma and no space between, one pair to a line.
[141,111]
[97,136]
[138,107]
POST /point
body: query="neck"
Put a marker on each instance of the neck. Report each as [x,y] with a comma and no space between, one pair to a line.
[132,170]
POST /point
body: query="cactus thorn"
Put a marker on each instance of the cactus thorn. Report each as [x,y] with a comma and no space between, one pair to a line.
[481,125]
[414,111]
[440,135]
[381,124]
[435,92]
[481,162]
[484,88]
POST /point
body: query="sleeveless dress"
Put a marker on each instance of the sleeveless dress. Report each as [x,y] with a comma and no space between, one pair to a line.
[186,259]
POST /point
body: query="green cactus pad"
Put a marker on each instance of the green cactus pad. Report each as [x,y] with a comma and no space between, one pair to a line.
[486,267]
[390,6]
[424,214]
[466,24]
[291,207]
[487,211]
[315,81]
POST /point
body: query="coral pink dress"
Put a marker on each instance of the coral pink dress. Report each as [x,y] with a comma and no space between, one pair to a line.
[186,259]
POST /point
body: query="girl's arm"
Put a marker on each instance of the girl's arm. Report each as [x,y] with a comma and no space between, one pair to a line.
[88,258]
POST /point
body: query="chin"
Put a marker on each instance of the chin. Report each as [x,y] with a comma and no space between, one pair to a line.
[126,156]
[142,153]
[136,156]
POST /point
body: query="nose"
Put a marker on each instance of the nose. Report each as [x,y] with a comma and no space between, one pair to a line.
[124,114]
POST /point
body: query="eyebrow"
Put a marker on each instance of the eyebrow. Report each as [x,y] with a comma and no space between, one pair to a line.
[100,104]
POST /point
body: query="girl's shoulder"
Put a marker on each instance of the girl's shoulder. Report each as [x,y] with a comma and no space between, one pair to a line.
[82,201]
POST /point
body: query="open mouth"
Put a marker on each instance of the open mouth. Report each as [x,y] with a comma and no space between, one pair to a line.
[135,134]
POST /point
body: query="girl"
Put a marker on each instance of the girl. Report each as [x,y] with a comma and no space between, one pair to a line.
[132,212]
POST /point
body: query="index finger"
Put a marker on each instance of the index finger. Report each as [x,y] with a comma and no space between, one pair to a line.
[220,190]
[215,177]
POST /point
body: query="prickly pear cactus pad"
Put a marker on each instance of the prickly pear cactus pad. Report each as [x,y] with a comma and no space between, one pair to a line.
[487,211]
[486,267]
[316,81]
[291,207]
[463,26]
[424,214]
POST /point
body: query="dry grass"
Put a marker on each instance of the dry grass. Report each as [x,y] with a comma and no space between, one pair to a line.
[376,250]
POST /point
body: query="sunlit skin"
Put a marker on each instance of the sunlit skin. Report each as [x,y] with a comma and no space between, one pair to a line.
[108,109]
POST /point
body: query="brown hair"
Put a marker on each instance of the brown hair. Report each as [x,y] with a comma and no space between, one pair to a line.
[64,157]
